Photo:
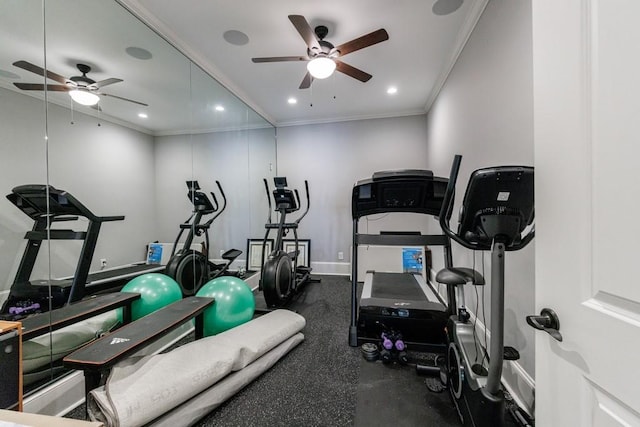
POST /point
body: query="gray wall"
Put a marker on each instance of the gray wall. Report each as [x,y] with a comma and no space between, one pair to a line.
[238,159]
[22,161]
[109,168]
[332,157]
[485,113]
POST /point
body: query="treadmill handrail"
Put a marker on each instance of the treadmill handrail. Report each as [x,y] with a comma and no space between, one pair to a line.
[402,239]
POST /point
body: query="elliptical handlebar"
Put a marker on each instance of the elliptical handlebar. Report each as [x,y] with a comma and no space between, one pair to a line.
[447,203]
[295,191]
[215,203]
[297,200]
[266,188]
[306,188]
[215,200]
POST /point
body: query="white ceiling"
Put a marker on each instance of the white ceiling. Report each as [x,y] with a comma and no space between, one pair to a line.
[422,48]
[181,97]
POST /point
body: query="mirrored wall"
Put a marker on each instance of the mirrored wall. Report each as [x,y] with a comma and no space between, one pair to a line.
[160,121]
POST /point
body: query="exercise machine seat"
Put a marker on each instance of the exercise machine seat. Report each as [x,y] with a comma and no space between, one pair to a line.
[459,276]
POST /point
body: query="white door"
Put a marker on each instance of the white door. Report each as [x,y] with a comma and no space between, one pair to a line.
[587,160]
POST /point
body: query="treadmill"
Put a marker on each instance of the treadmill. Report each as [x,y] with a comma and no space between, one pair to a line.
[402,302]
[47,206]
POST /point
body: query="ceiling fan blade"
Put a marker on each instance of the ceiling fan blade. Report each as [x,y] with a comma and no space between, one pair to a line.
[38,86]
[280,59]
[105,82]
[124,99]
[362,42]
[40,71]
[305,30]
[306,81]
[352,71]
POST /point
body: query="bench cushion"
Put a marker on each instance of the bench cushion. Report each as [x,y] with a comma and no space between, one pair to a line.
[140,390]
[36,351]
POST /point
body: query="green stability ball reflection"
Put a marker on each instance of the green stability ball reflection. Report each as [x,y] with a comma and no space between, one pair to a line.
[156,291]
[234,304]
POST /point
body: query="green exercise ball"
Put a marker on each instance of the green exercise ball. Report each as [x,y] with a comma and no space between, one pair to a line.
[156,291]
[234,304]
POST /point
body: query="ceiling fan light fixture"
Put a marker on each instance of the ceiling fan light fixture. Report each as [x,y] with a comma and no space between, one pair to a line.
[84,97]
[321,67]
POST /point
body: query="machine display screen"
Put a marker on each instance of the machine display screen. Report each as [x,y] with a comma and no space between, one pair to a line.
[397,192]
[365,192]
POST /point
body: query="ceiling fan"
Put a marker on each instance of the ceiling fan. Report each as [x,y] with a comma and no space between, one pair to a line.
[322,56]
[82,89]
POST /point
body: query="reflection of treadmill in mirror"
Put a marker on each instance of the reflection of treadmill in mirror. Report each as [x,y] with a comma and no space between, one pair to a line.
[28,295]
[401,301]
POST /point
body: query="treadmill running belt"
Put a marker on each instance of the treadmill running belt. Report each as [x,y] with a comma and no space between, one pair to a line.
[121,271]
[397,286]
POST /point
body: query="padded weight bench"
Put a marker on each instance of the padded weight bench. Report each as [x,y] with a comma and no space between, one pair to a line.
[43,323]
[99,356]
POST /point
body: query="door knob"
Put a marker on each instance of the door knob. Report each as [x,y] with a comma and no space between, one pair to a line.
[547,321]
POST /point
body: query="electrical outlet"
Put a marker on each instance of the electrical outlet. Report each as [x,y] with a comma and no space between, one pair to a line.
[340,256]
[103,262]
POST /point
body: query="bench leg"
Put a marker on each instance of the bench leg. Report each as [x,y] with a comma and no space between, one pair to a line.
[126,314]
[199,326]
[91,381]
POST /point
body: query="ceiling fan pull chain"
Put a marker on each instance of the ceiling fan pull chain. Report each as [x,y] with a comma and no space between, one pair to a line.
[72,109]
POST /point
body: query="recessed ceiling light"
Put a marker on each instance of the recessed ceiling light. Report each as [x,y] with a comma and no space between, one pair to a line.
[392,90]
[219,108]
[292,100]
[142,115]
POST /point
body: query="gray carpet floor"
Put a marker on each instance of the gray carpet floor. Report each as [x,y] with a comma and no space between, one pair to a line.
[324,382]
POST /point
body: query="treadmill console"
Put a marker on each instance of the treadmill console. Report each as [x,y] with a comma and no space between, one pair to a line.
[38,201]
[415,191]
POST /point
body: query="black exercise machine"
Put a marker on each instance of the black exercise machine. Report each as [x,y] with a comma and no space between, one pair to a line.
[402,302]
[47,206]
[497,215]
[191,268]
[281,276]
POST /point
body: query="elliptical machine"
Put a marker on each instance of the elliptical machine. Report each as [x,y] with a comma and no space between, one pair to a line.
[191,268]
[497,215]
[281,276]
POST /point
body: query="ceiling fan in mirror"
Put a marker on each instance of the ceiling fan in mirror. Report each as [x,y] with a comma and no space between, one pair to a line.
[82,89]
[322,56]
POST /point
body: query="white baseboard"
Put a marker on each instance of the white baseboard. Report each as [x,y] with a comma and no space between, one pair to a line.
[331,268]
[520,385]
